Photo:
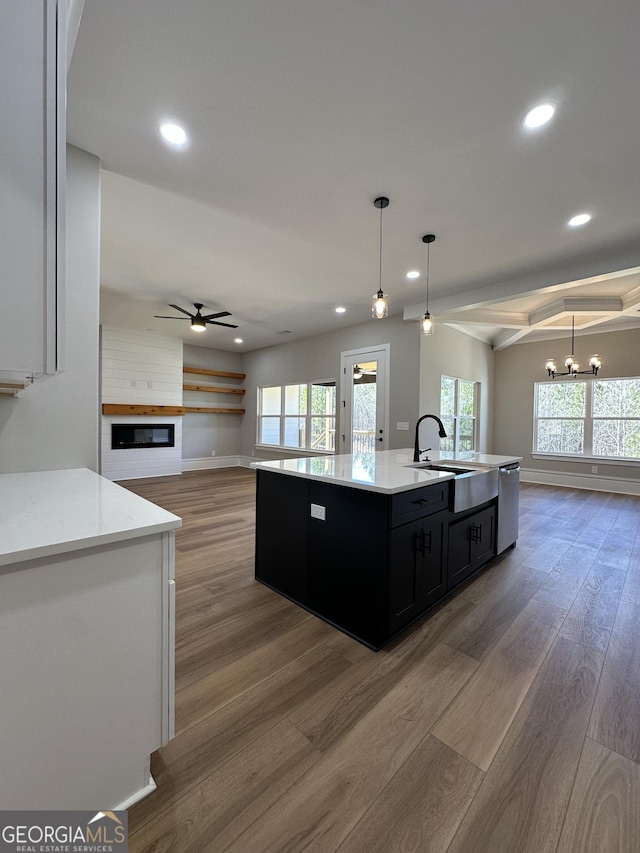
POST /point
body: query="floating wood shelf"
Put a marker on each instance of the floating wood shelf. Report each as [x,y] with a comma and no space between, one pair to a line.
[213,388]
[206,372]
[124,409]
[214,409]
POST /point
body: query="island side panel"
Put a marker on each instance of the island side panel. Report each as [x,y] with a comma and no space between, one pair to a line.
[282,511]
[348,553]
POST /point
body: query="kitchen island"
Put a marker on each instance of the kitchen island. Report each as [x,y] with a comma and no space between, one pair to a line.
[87,639]
[370,541]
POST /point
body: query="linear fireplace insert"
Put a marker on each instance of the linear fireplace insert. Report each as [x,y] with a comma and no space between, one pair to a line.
[150,435]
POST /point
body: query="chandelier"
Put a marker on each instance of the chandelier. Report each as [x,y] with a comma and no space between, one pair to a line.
[573,368]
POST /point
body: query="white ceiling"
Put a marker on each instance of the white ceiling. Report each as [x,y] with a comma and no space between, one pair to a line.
[301,112]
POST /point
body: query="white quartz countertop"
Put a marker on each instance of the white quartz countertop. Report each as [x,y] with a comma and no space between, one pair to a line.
[51,512]
[383,471]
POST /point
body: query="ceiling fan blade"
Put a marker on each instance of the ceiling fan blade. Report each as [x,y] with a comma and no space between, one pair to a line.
[219,314]
[178,308]
[215,323]
[165,317]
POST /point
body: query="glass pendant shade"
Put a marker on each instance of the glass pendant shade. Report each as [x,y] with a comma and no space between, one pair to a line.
[426,324]
[380,306]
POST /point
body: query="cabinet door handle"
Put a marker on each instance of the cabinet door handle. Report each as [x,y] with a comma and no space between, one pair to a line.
[426,538]
[419,542]
[475,533]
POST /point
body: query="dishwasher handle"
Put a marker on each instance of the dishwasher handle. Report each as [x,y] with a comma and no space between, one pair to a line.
[512,469]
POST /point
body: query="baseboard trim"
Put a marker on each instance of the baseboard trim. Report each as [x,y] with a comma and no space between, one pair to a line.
[149,788]
[592,482]
[207,462]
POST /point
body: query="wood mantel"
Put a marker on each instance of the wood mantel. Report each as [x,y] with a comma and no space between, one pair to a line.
[126,409]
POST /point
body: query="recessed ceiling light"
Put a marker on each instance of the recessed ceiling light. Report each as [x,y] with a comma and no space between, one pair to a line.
[538,116]
[340,309]
[237,340]
[173,133]
[579,219]
[413,274]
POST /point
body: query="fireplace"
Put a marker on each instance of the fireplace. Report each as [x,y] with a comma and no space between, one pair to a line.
[134,436]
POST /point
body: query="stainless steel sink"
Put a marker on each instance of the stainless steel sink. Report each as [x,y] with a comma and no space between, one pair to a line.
[471,486]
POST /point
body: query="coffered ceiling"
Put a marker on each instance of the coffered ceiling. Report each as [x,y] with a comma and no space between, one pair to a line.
[300,113]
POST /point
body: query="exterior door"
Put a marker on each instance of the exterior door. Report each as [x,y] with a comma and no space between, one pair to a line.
[364,398]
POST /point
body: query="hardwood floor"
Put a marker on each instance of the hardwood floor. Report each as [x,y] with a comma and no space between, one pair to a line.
[506,721]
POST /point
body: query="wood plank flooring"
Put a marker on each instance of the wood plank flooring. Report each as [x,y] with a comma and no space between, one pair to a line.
[506,721]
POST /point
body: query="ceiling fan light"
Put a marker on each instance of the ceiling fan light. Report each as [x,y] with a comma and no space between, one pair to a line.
[426,324]
[357,372]
[198,325]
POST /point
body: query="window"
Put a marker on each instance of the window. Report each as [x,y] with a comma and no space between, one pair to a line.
[299,416]
[458,410]
[592,418]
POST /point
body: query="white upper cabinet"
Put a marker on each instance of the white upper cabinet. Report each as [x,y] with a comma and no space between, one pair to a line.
[32,180]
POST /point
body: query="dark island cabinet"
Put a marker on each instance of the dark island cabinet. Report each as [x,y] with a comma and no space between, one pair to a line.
[417,568]
[367,562]
[472,543]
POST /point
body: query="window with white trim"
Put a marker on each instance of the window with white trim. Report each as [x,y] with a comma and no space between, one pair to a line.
[458,413]
[591,418]
[298,417]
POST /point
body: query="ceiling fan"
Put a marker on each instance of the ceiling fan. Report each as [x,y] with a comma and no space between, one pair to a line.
[198,320]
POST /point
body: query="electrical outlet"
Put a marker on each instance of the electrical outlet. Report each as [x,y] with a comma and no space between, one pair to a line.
[213,453]
[319,512]
[594,469]
[402,425]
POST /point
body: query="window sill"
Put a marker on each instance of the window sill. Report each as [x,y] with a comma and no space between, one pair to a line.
[591,460]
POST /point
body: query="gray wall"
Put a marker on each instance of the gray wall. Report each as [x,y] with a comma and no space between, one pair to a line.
[519,366]
[54,423]
[452,353]
[202,433]
[318,357]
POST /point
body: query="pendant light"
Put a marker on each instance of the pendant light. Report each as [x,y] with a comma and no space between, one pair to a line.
[426,322]
[380,306]
[573,368]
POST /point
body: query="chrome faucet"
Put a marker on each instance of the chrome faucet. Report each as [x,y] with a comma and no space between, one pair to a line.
[416,446]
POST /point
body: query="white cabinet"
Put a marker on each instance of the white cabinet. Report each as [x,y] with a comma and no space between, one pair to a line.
[87,639]
[32,179]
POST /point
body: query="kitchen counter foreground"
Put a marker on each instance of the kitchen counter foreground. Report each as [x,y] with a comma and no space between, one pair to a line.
[383,471]
[43,513]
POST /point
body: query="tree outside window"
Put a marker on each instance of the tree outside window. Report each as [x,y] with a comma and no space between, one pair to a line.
[458,404]
[301,415]
[592,418]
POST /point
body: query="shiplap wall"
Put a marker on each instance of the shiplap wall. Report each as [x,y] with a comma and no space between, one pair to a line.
[140,368]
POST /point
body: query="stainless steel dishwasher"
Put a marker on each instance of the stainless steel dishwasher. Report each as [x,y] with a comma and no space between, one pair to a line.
[508,505]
